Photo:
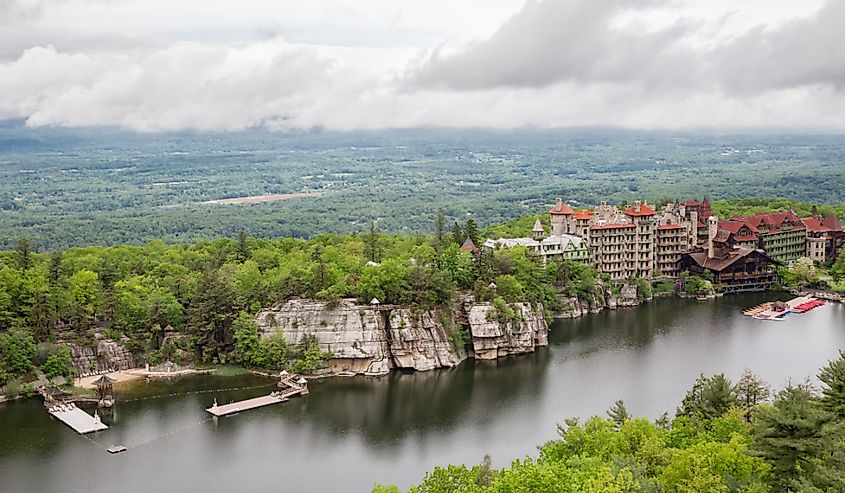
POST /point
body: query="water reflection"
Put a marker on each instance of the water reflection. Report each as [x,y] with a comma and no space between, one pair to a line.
[351,432]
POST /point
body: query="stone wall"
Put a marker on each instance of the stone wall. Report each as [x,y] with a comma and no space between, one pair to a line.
[370,341]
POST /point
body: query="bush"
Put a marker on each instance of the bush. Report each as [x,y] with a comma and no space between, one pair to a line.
[58,364]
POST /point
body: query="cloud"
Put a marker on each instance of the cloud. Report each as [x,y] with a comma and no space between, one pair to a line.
[636,64]
[557,41]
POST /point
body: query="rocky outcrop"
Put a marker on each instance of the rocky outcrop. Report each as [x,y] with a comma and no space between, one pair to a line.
[494,337]
[424,340]
[107,355]
[602,299]
[354,334]
[371,341]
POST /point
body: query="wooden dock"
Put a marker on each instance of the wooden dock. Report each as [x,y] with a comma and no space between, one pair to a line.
[246,405]
[778,314]
[80,421]
[291,387]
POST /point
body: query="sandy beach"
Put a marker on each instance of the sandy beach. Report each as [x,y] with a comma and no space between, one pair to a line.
[120,376]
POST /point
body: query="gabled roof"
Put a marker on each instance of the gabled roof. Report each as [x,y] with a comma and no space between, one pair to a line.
[832,222]
[815,224]
[469,246]
[640,210]
[561,208]
[103,381]
[734,226]
[689,203]
[725,257]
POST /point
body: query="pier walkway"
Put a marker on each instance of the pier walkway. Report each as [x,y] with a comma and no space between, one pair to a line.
[80,421]
[290,385]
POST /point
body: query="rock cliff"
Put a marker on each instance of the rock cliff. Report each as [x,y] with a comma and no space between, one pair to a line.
[372,341]
[494,338]
[602,299]
[107,355]
[353,333]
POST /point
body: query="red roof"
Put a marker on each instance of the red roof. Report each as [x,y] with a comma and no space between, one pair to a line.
[469,246]
[689,203]
[773,221]
[670,226]
[614,226]
[815,225]
[561,208]
[734,226]
[832,222]
[585,214]
[641,210]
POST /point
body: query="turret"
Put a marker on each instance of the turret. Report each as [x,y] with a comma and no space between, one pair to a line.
[712,229]
[538,233]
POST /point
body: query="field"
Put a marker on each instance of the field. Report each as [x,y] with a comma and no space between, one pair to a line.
[66,187]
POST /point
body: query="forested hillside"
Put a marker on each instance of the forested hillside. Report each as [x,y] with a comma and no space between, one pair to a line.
[74,187]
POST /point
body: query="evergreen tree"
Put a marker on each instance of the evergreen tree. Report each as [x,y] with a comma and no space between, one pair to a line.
[789,434]
[371,249]
[618,413]
[55,269]
[24,254]
[471,231]
[457,233]
[833,386]
[211,312]
[709,397]
[751,390]
[440,230]
[243,246]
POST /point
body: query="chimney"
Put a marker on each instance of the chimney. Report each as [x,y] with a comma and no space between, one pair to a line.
[712,229]
[637,206]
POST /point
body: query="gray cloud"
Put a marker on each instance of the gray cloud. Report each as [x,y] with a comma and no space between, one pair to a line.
[562,41]
[802,52]
[555,41]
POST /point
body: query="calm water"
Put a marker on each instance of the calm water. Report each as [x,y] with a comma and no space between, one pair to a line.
[350,433]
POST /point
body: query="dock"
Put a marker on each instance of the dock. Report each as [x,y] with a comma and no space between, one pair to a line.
[80,421]
[777,311]
[290,385]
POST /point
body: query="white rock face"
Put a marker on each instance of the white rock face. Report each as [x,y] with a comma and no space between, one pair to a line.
[354,334]
[492,339]
[372,342]
[422,340]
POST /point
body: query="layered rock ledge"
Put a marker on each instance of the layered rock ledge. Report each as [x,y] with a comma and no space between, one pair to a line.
[373,340]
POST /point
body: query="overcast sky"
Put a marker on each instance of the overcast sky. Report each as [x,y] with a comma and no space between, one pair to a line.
[216,65]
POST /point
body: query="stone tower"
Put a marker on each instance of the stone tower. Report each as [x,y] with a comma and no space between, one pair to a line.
[562,218]
[538,233]
[712,229]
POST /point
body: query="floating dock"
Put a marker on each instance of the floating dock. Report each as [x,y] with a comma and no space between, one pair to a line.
[778,311]
[80,421]
[236,407]
[289,383]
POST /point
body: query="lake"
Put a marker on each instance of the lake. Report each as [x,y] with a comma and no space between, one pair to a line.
[352,432]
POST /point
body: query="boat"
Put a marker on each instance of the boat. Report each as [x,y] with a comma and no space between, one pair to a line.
[116,449]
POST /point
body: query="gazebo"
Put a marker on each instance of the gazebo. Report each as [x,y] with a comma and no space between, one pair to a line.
[104,387]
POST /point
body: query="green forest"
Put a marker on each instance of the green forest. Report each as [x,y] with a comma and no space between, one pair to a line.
[210,291]
[725,437]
